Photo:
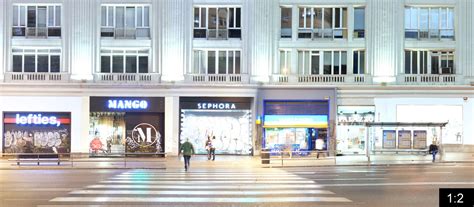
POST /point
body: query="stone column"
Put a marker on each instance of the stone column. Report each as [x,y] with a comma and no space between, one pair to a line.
[464,29]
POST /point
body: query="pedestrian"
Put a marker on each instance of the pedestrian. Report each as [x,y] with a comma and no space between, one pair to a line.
[187,150]
[211,149]
[433,150]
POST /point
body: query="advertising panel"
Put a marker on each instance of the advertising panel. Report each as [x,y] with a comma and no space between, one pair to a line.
[404,139]
[37,132]
[389,139]
[419,139]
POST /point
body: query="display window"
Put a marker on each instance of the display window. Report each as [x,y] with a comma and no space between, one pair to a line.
[226,121]
[37,132]
[120,126]
[351,131]
[296,126]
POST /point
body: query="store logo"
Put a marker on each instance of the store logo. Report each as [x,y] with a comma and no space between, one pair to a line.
[216,106]
[127,104]
[145,134]
[37,119]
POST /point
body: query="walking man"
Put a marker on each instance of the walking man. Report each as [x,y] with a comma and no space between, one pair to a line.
[211,150]
[187,150]
[433,150]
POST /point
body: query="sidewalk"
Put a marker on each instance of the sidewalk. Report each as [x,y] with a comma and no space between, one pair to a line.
[229,161]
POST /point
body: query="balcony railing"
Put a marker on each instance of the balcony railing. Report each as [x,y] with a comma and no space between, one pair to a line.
[428,79]
[47,77]
[313,34]
[125,33]
[36,32]
[217,34]
[127,77]
[433,34]
[325,79]
[218,78]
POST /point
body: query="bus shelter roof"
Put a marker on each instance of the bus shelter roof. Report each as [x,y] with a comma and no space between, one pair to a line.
[406,124]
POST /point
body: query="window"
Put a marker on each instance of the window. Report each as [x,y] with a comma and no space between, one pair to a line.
[359,22]
[429,23]
[36,21]
[429,62]
[358,66]
[322,23]
[124,61]
[36,60]
[286,22]
[322,62]
[125,22]
[217,62]
[285,62]
[217,22]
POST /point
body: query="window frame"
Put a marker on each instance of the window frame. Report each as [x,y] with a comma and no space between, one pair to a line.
[36,52]
[56,17]
[228,28]
[359,33]
[145,18]
[204,55]
[428,70]
[359,63]
[440,32]
[321,54]
[323,32]
[124,53]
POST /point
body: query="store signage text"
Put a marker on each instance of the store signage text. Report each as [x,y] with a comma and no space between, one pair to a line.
[222,106]
[37,119]
[127,104]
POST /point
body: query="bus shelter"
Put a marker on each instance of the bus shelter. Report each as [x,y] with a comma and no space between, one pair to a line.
[403,137]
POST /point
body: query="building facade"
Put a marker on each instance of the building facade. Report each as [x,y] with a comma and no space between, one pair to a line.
[268,73]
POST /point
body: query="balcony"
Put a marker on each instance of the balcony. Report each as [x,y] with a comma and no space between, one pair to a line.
[125,33]
[36,32]
[44,77]
[218,78]
[321,79]
[218,34]
[127,78]
[429,34]
[428,79]
[330,34]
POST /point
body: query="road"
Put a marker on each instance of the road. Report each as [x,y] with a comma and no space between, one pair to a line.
[399,185]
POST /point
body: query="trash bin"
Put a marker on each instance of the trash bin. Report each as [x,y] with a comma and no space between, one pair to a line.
[265,156]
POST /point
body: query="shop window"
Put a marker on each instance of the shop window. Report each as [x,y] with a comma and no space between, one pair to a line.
[359,22]
[217,22]
[36,20]
[322,62]
[429,62]
[217,62]
[429,23]
[286,22]
[322,23]
[36,60]
[124,61]
[125,22]
[358,63]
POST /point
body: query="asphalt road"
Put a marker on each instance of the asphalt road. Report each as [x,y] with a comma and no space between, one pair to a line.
[400,185]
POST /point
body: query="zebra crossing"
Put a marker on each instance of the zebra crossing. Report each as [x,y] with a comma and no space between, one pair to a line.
[138,187]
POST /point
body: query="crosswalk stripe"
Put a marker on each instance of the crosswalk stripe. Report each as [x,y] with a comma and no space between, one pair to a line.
[194,192]
[208,182]
[201,199]
[204,187]
[206,175]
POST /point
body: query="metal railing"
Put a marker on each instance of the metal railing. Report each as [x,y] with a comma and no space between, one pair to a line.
[313,34]
[427,79]
[125,33]
[52,77]
[421,34]
[218,78]
[286,157]
[88,160]
[327,79]
[127,77]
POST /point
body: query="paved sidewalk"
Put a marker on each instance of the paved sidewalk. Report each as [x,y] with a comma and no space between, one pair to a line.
[228,161]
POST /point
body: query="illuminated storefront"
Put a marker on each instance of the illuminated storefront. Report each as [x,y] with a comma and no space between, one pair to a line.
[36,132]
[295,125]
[226,120]
[121,125]
[351,129]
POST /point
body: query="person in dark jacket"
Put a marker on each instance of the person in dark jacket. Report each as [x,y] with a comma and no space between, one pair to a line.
[433,150]
[187,150]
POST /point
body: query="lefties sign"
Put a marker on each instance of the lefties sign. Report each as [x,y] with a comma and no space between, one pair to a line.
[35,119]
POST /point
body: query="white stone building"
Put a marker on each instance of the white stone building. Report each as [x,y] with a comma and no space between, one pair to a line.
[288,66]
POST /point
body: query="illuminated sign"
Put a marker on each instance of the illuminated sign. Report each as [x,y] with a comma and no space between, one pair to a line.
[296,121]
[37,119]
[127,104]
[145,134]
[221,106]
